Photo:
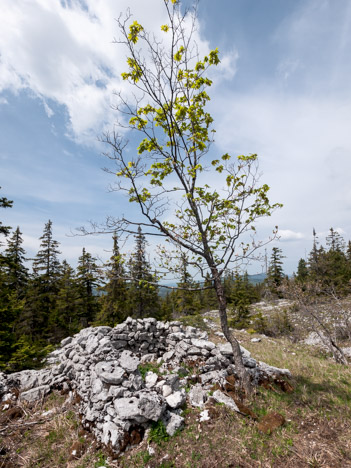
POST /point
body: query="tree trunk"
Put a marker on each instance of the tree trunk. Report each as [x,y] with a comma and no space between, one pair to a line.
[243,374]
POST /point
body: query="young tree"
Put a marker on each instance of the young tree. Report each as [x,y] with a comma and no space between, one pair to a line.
[275,274]
[172,160]
[242,296]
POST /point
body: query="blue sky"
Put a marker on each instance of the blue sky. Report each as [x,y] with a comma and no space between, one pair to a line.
[283,91]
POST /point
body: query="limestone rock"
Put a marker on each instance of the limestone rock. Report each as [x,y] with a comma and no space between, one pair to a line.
[176,399]
[220,397]
[197,396]
[173,422]
[35,393]
[129,361]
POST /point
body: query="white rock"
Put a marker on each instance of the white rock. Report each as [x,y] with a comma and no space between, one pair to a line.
[129,361]
[197,396]
[203,344]
[255,340]
[150,379]
[204,416]
[176,399]
[166,390]
[35,393]
[113,378]
[173,423]
[220,397]
[272,371]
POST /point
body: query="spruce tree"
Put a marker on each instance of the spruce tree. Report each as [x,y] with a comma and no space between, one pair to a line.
[337,269]
[42,288]
[17,272]
[88,280]
[243,295]
[208,295]
[113,301]
[187,301]
[275,274]
[5,203]
[143,298]
[9,305]
[64,319]
[302,271]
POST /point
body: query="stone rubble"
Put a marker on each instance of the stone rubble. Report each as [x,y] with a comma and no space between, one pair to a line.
[120,391]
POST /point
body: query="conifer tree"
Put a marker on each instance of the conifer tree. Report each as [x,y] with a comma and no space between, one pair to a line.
[8,301]
[46,263]
[243,295]
[113,301]
[275,274]
[302,271]
[5,203]
[88,280]
[187,302]
[337,269]
[17,272]
[142,295]
[208,295]
[64,320]
[42,288]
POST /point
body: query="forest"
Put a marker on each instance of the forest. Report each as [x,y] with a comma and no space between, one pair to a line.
[41,305]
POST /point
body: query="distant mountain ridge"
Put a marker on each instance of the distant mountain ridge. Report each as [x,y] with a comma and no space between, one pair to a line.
[254,279]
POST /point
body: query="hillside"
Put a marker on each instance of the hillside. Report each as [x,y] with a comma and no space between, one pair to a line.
[314,407]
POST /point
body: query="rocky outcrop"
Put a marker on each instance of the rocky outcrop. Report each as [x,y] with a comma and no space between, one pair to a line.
[129,376]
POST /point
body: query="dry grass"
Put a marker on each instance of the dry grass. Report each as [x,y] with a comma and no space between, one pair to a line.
[317,432]
[46,435]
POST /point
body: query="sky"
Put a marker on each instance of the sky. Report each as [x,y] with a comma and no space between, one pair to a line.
[282,90]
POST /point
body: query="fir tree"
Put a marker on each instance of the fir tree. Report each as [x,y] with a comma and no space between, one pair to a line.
[187,302]
[334,241]
[13,279]
[5,203]
[302,271]
[43,287]
[243,295]
[64,320]
[142,294]
[275,274]
[88,280]
[114,293]
[208,295]
[46,263]
[17,273]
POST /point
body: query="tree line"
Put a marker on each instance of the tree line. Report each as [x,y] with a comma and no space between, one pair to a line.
[41,306]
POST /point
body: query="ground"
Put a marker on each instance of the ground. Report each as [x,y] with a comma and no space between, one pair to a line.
[316,413]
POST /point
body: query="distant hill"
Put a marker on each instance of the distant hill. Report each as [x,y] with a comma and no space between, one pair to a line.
[258,278]
[254,279]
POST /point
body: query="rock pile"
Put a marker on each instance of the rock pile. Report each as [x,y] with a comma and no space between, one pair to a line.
[131,375]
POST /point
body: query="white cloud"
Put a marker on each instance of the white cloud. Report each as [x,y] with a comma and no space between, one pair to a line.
[288,235]
[64,51]
[3,101]
[48,110]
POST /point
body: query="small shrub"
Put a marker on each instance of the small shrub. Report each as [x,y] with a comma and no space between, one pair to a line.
[158,433]
[276,325]
[149,366]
